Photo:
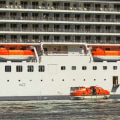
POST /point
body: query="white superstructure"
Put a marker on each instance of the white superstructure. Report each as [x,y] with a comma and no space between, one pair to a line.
[62,34]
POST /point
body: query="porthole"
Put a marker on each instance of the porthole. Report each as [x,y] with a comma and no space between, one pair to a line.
[94,79]
[62,79]
[30,80]
[41,80]
[83,79]
[83,93]
[104,79]
[73,79]
[52,79]
[19,80]
[7,80]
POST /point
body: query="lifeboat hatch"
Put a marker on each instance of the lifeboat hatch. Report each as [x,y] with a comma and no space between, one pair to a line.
[115,81]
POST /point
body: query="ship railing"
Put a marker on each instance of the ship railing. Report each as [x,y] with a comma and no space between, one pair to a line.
[52,29]
[63,53]
[60,7]
[90,41]
[2,5]
[52,18]
[38,29]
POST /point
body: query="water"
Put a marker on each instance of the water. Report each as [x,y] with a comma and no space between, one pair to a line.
[60,110]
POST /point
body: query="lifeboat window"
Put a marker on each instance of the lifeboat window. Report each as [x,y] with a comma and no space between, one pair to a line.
[41,68]
[18,68]
[104,67]
[94,67]
[114,67]
[22,48]
[84,67]
[12,48]
[7,68]
[107,48]
[63,67]
[30,68]
[73,67]
[83,93]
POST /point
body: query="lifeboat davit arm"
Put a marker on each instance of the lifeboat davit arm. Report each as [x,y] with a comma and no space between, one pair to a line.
[36,55]
[89,52]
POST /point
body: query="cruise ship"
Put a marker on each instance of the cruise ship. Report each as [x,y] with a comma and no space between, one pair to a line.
[49,46]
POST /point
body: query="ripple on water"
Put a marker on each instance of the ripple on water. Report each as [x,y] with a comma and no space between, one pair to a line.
[60,110]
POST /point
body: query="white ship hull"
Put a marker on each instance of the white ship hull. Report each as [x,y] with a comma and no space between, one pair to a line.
[55,83]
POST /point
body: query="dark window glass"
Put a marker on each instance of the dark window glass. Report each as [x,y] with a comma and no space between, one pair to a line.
[63,67]
[84,67]
[114,67]
[94,67]
[18,68]
[7,68]
[104,67]
[41,68]
[30,68]
[73,67]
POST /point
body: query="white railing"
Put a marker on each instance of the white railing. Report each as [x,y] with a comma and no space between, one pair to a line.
[59,53]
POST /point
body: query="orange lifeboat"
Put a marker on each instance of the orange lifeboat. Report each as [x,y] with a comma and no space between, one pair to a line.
[105,55]
[15,55]
[92,92]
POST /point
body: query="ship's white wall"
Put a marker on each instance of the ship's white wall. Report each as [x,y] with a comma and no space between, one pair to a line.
[55,81]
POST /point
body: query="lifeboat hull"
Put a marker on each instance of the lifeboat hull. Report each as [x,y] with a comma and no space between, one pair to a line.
[89,97]
[15,58]
[106,58]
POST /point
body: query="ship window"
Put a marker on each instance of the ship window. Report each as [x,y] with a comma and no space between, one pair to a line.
[104,67]
[63,67]
[73,67]
[7,68]
[41,68]
[18,68]
[94,67]
[107,48]
[114,67]
[30,68]
[84,67]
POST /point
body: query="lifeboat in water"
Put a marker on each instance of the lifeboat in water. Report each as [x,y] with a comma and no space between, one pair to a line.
[105,55]
[93,92]
[15,55]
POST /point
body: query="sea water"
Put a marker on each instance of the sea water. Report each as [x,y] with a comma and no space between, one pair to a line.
[60,110]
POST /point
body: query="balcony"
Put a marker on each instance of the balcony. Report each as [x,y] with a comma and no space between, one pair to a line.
[61,6]
[51,18]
